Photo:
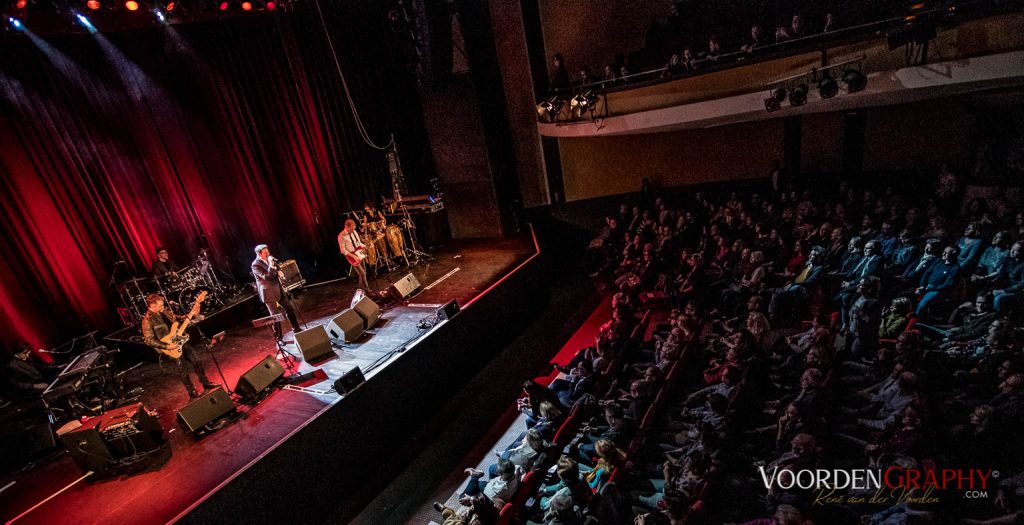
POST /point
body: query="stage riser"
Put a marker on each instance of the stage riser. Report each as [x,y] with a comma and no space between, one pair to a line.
[337,456]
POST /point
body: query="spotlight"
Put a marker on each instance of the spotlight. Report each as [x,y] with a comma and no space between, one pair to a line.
[170,7]
[20,4]
[775,98]
[548,110]
[854,80]
[160,15]
[271,5]
[85,22]
[798,95]
[93,4]
[246,6]
[223,6]
[131,5]
[16,24]
[583,103]
[827,86]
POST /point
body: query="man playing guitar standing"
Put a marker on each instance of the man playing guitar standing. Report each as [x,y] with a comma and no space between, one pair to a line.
[156,325]
[352,248]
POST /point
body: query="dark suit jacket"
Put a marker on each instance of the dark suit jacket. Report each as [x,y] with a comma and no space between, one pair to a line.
[267,284]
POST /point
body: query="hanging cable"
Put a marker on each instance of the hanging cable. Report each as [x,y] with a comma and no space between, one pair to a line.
[348,95]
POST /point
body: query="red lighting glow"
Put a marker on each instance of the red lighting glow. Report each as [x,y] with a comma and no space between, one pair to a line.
[223,6]
[131,5]
[21,4]
[93,4]
[246,6]
[170,7]
[271,5]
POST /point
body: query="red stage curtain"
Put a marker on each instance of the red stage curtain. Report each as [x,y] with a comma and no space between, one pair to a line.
[230,134]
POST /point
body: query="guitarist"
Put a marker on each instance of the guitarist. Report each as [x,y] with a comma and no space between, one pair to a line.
[156,324]
[354,250]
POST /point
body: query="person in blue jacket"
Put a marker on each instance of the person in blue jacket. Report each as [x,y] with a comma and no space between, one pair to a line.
[938,278]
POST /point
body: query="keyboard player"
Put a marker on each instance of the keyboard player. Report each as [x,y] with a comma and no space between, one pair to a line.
[25,377]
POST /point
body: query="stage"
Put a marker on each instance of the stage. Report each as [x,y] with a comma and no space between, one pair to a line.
[199,468]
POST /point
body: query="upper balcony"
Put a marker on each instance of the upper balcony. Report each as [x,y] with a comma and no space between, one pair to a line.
[930,53]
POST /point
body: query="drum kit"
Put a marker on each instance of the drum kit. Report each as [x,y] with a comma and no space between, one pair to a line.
[179,289]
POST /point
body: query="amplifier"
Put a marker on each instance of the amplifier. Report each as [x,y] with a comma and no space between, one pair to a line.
[113,440]
[292,276]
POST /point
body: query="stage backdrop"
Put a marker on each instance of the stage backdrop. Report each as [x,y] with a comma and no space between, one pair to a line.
[222,135]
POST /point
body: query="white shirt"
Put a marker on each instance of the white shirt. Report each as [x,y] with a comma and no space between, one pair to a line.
[349,242]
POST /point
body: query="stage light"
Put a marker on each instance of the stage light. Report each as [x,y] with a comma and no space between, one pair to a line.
[160,15]
[85,22]
[246,6]
[20,4]
[854,80]
[93,4]
[548,110]
[583,103]
[131,5]
[271,5]
[798,95]
[16,24]
[827,86]
[223,6]
[775,98]
[170,7]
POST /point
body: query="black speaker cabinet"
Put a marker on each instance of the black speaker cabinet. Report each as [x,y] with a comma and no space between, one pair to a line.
[113,439]
[347,326]
[208,408]
[348,382]
[86,446]
[449,310]
[405,286]
[259,377]
[369,311]
[313,343]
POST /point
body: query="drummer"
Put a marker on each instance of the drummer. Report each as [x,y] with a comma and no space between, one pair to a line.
[163,265]
[372,216]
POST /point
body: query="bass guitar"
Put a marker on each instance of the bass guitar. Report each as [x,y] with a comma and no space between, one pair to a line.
[177,335]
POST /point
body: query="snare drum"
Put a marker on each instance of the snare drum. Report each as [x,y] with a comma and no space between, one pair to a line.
[396,241]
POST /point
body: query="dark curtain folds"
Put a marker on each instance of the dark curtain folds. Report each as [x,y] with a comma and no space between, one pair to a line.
[220,135]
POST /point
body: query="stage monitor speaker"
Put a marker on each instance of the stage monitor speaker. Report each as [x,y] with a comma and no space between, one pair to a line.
[350,381]
[449,310]
[405,287]
[87,447]
[208,408]
[347,326]
[369,311]
[313,343]
[259,377]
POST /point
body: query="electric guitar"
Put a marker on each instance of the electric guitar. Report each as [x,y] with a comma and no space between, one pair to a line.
[177,335]
[356,258]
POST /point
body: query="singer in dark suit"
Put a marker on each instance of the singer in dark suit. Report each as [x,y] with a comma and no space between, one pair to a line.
[268,285]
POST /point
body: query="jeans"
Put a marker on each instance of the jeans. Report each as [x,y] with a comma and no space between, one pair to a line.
[928,297]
